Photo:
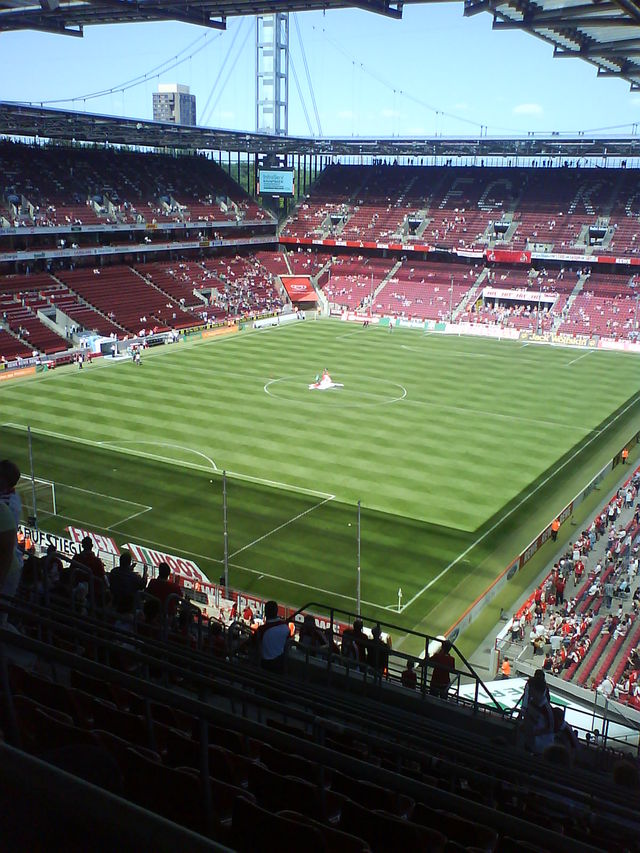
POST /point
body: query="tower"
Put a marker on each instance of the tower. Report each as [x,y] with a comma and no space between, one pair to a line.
[272,74]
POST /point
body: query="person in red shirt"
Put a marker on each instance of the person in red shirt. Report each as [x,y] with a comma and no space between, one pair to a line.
[443,665]
[87,558]
[408,677]
[161,588]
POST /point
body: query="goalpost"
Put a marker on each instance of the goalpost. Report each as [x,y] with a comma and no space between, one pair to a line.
[38,498]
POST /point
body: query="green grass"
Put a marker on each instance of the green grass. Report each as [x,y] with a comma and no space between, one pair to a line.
[459,449]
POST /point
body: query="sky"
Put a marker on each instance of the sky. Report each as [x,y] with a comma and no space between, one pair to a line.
[435,72]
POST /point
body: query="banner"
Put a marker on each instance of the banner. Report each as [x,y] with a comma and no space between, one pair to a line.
[299,288]
[521,293]
[482,331]
[100,542]
[539,541]
[279,320]
[16,374]
[219,330]
[508,256]
[42,540]
[610,344]
[185,569]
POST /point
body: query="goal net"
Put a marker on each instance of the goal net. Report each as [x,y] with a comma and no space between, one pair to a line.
[45,498]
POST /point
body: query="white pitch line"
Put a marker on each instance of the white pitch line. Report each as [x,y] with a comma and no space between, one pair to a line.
[379,400]
[287,486]
[117,446]
[304,585]
[129,518]
[446,352]
[467,410]
[145,507]
[142,454]
[517,506]
[280,527]
[584,355]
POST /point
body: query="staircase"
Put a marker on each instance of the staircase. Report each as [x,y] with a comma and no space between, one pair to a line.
[394,269]
[285,255]
[322,299]
[471,294]
[567,307]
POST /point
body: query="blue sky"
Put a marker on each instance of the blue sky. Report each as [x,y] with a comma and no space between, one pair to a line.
[434,72]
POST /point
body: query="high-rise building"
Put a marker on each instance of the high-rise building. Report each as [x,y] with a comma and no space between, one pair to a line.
[172,102]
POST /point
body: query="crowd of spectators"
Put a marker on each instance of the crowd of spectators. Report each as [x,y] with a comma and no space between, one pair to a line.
[597,573]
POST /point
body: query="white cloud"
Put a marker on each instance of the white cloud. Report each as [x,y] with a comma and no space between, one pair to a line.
[345,114]
[461,106]
[387,113]
[527,110]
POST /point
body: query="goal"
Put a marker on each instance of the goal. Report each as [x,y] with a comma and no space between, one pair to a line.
[45,498]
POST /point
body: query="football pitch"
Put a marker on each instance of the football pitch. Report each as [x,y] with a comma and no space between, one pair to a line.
[459,449]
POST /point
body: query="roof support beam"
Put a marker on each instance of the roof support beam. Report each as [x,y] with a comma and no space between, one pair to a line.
[186,14]
[474,7]
[561,25]
[381,7]
[615,49]
[45,25]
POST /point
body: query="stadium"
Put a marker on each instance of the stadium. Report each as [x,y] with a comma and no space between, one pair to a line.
[321,452]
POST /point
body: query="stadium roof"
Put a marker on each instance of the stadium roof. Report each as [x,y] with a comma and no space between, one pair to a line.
[605,33]
[71,16]
[23,120]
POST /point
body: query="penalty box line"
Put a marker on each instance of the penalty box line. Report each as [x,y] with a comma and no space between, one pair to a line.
[143,454]
[529,495]
[282,526]
[320,589]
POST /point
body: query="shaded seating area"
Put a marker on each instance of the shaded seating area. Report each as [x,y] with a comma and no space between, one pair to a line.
[236,752]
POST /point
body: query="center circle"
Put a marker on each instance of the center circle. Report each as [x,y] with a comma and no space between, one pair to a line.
[358,391]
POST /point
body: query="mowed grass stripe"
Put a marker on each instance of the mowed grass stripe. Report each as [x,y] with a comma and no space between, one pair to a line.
[458,468]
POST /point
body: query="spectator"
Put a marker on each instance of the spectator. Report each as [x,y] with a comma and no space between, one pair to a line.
[89,560]
[608,594]
[536,714]
[52,569]
[10,566]
[378,652]
[354,642]
[9,479]
[162,587]
[272,638]
[505,669]
[310,635]
[443,665]
[409,678]
[124,582]
[563,733]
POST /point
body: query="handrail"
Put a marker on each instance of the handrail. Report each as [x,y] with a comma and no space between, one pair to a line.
[428,638]
[314,751]
[196,706]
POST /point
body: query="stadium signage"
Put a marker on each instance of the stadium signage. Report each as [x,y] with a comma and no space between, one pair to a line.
[185,569]
[522,293]
[14,374]
[278,320]
[508,256]
[41,539]
[100,543]
[610,343]
[542,538]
